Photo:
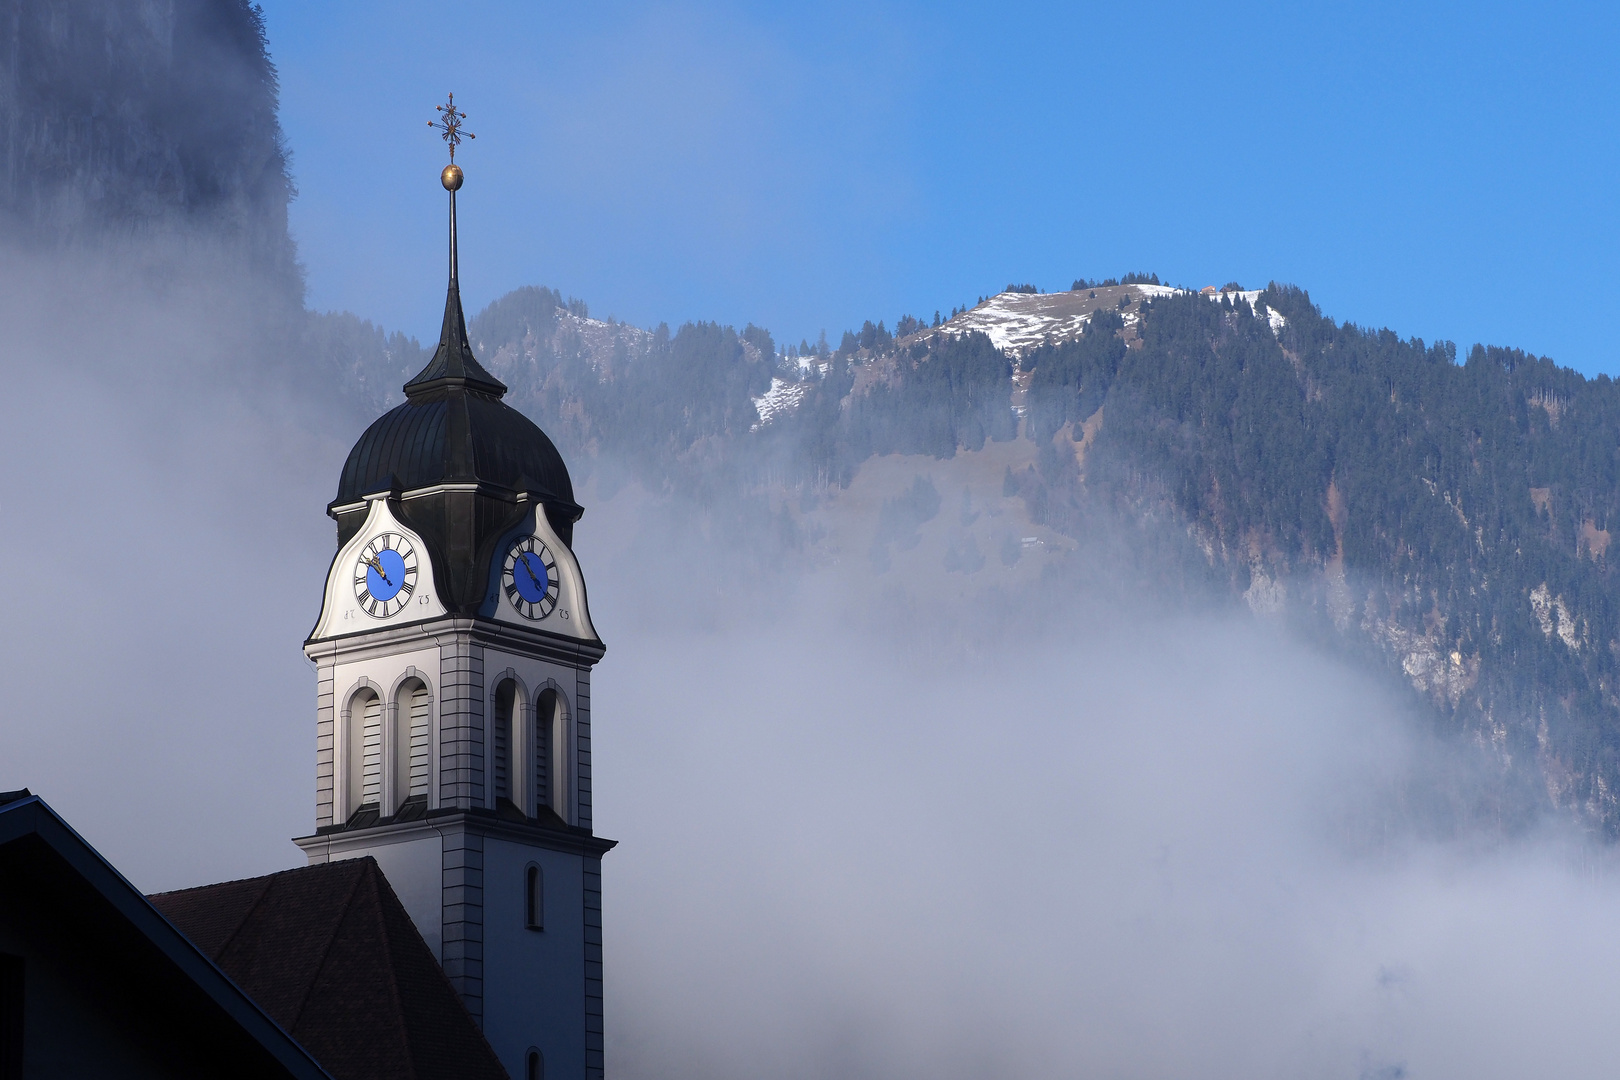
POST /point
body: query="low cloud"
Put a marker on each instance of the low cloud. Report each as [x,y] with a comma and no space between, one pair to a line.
[1121,846]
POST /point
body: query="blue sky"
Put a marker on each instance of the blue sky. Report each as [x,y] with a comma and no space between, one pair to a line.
[1448,171]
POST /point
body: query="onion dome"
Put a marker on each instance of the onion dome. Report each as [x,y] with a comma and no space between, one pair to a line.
[461,466]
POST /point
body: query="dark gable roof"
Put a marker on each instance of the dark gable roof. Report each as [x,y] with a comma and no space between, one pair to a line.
[332,955]
[58,883]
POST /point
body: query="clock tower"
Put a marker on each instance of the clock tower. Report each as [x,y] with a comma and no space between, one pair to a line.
[453,720]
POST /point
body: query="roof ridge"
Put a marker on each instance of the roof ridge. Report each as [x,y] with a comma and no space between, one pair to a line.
[393,973]
[326,951]
[264,891]
[240,881]
[391,911]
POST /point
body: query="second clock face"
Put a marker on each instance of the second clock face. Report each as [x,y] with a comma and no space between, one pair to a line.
[529,578]
[385,575]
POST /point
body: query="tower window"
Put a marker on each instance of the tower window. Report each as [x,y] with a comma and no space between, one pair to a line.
[534,898]
[505,702]
[363,749]
[418,705]
[371,753]
[551,724]
[536,1069]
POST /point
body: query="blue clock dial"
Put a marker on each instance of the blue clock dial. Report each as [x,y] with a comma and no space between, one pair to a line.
[385,575]
[529,578]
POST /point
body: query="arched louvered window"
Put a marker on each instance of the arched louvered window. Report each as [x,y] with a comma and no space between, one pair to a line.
[365,748]
[505,705]
[534,898]
[415,746]
[551,727]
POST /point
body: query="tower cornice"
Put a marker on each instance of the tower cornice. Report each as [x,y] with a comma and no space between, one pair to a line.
[338,842]
[383,641]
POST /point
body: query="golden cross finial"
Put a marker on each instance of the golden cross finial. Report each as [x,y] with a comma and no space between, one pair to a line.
[449,126]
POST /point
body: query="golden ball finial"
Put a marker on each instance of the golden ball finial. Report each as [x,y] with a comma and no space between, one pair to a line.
[451,177]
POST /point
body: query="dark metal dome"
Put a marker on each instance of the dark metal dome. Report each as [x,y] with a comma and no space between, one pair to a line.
[443,437]
[464,466]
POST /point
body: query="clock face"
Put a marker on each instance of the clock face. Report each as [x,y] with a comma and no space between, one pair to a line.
[530,578]
[385,575]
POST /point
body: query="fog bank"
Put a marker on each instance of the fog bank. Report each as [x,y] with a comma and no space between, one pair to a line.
[1123,846]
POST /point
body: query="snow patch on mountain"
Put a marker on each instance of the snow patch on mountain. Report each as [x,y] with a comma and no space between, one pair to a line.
[597,341]
[783,396]
[1016,323]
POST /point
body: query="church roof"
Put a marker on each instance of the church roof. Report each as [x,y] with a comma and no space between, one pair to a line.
[332,955]
[98,940]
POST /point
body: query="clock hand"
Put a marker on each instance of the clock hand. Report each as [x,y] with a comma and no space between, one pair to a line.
[376,565]
[532,575]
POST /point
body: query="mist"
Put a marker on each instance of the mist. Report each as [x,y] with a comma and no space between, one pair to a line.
[864,831]
[163,540]
[1114,839]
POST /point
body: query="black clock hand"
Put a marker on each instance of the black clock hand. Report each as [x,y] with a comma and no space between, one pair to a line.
[532,575]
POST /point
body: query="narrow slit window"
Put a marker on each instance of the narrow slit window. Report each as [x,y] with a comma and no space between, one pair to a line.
[534,898]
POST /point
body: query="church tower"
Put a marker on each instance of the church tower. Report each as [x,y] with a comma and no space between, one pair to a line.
[453,727]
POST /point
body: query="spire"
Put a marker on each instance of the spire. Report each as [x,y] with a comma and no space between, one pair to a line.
[453,363]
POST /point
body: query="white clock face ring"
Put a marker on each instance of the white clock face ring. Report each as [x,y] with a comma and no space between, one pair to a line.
[385,575]
[529,578]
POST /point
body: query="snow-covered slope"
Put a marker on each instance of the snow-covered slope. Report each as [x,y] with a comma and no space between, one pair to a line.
[783,396]
[1018,322]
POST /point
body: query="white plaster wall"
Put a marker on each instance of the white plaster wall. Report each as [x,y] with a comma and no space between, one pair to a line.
[534,981]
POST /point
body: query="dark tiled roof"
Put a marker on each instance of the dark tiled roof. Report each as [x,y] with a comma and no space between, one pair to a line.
[56,887]
[331,954]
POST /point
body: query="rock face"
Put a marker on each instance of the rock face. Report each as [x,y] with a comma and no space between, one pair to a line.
[127,117]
